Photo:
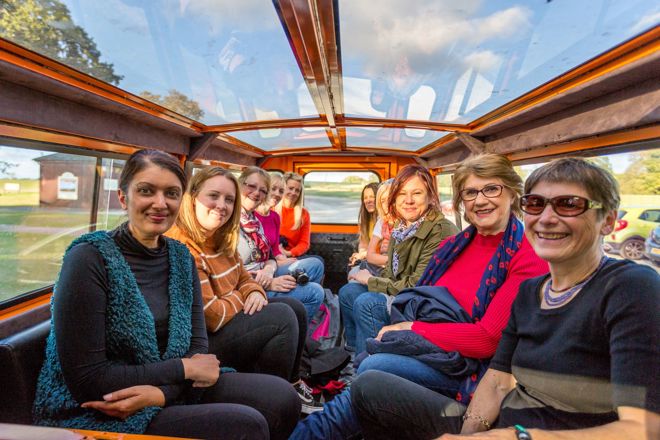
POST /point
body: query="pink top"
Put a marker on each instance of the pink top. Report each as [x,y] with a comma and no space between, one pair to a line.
[479,340]
[271,224]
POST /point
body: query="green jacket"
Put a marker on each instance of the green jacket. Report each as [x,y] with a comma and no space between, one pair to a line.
[414,255]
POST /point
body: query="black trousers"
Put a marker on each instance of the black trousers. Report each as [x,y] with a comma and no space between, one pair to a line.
[390,407]
[269,342]
[238,406]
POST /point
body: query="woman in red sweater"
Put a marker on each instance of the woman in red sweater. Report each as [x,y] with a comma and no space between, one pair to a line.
[481,267]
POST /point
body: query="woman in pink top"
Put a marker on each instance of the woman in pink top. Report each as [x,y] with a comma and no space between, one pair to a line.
[270,220]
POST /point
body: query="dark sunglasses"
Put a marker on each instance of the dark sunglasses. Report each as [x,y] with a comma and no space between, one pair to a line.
[564,206]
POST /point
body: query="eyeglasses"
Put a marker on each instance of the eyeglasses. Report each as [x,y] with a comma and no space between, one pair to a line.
[252,188]
[490,191]
[564,206]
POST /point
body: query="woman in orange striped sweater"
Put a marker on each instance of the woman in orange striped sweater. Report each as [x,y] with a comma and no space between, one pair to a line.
[245,331]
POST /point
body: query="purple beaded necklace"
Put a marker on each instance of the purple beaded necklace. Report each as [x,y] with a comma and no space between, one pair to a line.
[568,293]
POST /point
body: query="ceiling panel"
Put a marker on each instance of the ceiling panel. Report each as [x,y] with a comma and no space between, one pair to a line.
[391,138]
[284,138]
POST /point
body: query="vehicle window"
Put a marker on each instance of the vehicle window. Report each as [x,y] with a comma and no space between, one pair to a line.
[651,215]
[621,213]
[443,181]
[334,196]
[47,200]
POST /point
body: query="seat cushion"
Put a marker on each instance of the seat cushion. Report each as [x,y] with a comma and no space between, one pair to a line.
[21,358]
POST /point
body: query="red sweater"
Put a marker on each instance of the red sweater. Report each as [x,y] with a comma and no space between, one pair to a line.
[479,340]
[298,240]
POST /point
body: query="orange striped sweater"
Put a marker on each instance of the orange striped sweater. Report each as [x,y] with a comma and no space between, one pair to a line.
[225,282]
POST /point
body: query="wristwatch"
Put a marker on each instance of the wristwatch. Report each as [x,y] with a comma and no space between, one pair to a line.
[521,433]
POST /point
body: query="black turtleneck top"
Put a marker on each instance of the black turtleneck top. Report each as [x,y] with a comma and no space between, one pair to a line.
[79,314]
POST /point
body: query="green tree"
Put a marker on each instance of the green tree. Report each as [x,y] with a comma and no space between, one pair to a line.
[177,102]
[353,179]
[642,175]
[46,27]
[603,162]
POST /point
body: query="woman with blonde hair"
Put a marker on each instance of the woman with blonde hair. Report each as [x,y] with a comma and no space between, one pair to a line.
[380,238]
[295,227]
[245,331]
[270,220]
[254,247]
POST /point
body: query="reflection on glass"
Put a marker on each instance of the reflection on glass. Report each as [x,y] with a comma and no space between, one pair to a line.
[334,196]
[283,138]
[216,61]
[110,213]
[391,138]
[474,55]
[45,202]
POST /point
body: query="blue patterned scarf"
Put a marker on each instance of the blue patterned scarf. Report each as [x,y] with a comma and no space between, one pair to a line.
[493,277]
[401,233]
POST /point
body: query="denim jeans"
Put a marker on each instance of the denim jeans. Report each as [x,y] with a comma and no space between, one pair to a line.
[412,370]
[311,295]
[313,267]
[340,420]
[364,313]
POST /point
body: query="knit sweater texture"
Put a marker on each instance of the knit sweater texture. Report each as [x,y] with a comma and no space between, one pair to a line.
[130,335]
[225,282]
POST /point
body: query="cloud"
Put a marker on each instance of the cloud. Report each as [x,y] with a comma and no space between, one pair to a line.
[646,22]
[224,15]
[431,36]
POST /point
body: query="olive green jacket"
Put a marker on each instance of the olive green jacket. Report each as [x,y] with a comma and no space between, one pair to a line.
[414,255]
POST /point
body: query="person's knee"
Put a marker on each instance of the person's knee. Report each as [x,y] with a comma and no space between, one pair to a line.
[367,304]
[316,293]
[365,387]
[374,362]
[284,399]
[295,305]
[252,423]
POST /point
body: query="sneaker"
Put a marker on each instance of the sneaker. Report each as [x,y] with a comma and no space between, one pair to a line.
[309,404]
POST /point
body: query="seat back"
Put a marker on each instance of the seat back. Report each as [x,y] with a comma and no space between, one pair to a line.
[21,357]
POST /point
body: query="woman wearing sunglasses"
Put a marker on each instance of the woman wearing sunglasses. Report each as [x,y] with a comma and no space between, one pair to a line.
[578,356]
[481,270]
[255,249]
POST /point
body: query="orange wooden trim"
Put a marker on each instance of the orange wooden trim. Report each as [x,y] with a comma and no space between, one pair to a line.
[608,140]
[239,143]
[99,435]
[34,62]
[324,228]
[25,306]
[266,124]
[61,138]
[630,51]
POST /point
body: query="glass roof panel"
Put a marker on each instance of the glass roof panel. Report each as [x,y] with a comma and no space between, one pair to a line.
[283,138]
[448,61]
[407,139]
[216,61]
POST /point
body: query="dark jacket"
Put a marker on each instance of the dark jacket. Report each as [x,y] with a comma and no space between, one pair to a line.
[430,304]
[414,255]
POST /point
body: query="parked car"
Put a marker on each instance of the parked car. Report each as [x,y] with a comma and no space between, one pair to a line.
[632,228]
[652,251]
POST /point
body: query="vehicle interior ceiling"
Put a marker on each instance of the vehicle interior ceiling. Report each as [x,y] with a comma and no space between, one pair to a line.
[323,85]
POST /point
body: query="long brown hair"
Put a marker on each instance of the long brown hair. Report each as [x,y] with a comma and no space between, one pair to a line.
[406,173]
[367,219]
[225,238]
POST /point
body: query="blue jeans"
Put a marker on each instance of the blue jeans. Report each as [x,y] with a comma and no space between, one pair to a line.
[312,266]
[364,314]
[338,418]
[311,295]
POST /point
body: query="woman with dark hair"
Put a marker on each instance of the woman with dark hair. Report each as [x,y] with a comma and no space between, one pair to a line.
[127,348]
[420,227]
[366,221]
[577,357]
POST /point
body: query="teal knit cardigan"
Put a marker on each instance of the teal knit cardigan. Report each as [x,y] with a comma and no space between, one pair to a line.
[130,338]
